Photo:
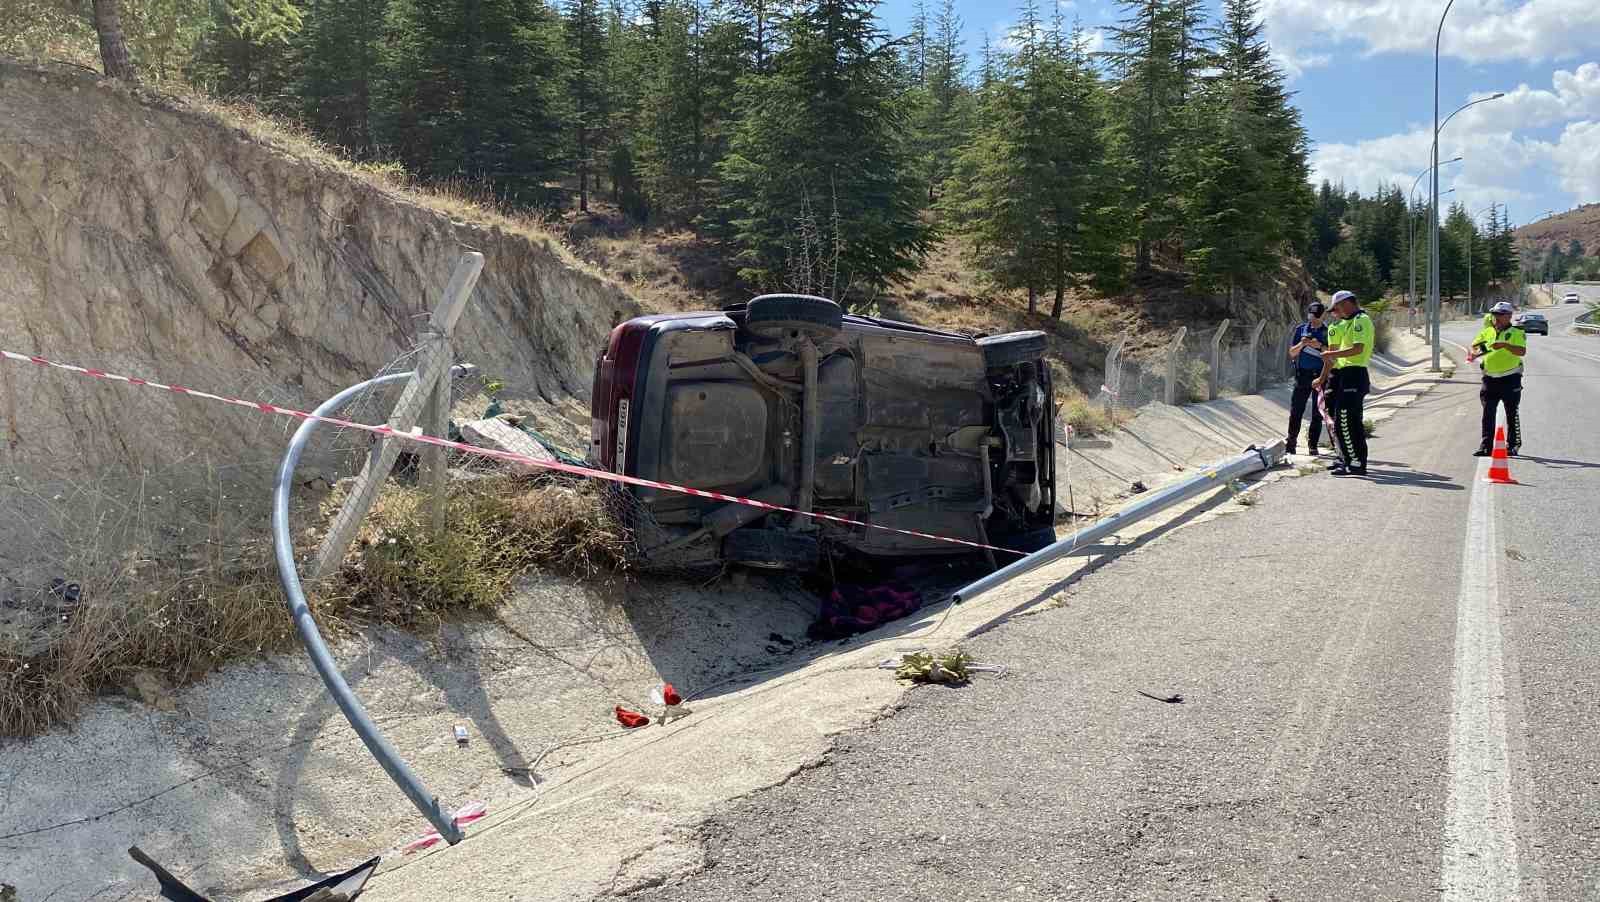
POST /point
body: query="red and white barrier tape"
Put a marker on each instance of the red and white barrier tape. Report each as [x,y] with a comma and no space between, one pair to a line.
[387,431]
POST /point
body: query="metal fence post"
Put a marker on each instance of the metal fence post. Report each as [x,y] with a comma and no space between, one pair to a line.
[1216,360]
[1172,364]
[433,365]
[1255,348]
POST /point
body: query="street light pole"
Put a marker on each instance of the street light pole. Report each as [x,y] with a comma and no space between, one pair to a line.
[1411,242]
[1433,211]
[1433,244]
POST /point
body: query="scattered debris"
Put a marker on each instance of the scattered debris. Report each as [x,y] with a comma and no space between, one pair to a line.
[855,609]
[465,815]
[1138,488]
[778,638]
[972,666]
[337,888]
[1515,555]
[1165,699]
[498,435]
[950,668]
[631,719]
[670,701]
[461,735]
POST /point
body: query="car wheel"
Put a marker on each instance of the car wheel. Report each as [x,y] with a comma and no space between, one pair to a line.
[1012,348]
[771,549]
[774,315]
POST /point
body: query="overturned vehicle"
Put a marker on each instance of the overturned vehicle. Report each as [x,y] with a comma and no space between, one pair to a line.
[787,400]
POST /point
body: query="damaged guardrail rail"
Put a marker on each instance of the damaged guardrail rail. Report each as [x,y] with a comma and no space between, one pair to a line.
[300,610]
[1252,460]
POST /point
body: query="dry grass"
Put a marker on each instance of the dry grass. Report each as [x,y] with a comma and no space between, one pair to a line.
[499,528]
[178,625]
[1088,418]
[182,625]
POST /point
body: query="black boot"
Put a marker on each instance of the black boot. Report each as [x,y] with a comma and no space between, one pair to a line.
[1483,451]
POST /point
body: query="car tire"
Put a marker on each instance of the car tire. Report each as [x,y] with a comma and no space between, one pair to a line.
[771,549]
[776,315]
[1012,348]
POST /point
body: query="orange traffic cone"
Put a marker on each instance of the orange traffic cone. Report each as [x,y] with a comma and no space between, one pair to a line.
[1499,468]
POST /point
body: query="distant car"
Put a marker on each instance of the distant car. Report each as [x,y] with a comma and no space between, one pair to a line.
[1532,322]
[1571,298]
[787,400]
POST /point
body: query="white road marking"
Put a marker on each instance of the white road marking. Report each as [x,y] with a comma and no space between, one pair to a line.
[1480,843]
[1577,353]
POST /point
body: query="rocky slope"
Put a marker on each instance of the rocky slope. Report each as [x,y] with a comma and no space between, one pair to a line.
[143,236]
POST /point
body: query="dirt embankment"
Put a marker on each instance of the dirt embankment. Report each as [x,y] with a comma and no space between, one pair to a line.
[144,236]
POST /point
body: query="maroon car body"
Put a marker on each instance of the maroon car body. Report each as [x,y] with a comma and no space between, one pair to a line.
[788,401]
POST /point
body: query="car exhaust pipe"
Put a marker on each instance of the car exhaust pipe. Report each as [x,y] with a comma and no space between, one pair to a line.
[1252,460]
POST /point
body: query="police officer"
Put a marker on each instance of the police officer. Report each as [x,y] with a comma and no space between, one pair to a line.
[1500,346]
[1310,337]
[1351,342]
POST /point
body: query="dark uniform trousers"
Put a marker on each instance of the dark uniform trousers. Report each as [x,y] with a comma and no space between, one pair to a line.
[1497,391]
[1348,387]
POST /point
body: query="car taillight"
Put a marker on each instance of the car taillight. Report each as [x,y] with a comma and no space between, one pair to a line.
[614,379]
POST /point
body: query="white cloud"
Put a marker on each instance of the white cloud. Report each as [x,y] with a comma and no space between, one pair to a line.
[1303,31]
[1577,158]
[1497,163]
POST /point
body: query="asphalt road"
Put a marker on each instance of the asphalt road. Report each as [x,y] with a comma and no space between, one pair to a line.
[1391,690]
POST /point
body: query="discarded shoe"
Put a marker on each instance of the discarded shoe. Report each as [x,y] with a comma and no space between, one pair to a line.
[631,719]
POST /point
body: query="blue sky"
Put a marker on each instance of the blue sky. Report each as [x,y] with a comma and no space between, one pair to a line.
[1363,70]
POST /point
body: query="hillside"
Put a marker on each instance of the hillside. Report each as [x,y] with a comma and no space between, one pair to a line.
[148,235]
[1582,224]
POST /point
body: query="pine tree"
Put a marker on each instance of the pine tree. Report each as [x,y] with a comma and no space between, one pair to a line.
[1352,269]
[251,50]
[473,89]
[941,106]
[1033,196]
[1150,109]
[586,46]
[817,190]
[339,49]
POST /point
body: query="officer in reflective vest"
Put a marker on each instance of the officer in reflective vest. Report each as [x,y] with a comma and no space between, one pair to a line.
[1500,347]
[1351,342]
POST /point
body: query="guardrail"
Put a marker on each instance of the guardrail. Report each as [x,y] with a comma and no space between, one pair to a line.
[1586,323]
[1219,475]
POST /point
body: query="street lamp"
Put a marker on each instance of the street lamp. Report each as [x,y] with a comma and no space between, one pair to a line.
[1433,243]
[1433,230]
[1411,243]
[1428,323]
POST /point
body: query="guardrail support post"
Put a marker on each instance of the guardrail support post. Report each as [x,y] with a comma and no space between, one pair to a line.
[1216,360]
[1172,364]
[1113,374]
[433,366]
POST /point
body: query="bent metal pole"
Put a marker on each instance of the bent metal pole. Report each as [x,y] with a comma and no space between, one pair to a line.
[1211,478]
[289,577]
